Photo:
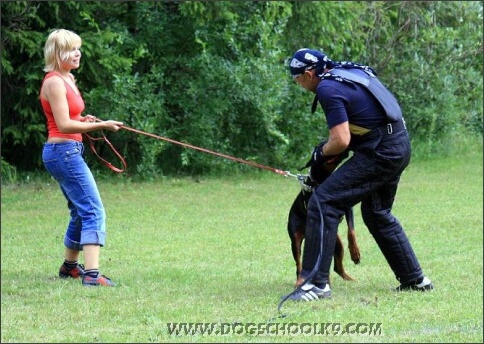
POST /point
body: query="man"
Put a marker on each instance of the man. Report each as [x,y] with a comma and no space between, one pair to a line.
[364,117]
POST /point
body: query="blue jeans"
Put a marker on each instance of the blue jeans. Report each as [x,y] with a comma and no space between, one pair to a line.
[65,162]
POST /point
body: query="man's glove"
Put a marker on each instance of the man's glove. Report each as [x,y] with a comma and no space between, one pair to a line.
[317,156]
[319,172]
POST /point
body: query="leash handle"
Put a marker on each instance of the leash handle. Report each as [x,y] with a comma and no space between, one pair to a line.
[90,140]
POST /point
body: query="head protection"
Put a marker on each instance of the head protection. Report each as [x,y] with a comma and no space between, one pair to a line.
[307,59]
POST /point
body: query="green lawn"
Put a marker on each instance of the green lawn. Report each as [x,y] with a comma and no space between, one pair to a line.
[216,252]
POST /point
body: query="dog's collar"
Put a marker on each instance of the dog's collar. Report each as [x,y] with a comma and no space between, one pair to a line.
[307,188]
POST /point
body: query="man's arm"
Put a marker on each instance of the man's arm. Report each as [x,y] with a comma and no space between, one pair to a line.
[339,139]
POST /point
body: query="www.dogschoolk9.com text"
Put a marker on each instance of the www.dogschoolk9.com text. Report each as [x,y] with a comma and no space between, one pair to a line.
[275,329]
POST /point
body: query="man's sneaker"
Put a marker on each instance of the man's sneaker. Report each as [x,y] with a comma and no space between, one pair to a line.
[425,284]
[309,292]
[89,281]
[77,272]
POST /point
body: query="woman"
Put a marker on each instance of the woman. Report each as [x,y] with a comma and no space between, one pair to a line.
[62,156]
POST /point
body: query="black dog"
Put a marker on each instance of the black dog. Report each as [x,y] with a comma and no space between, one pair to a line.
[296,225]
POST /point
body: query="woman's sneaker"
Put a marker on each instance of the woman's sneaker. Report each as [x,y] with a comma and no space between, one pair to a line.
[76,272]
[421,284]
[90,281]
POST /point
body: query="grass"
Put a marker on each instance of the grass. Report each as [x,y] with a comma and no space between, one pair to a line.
[217,251]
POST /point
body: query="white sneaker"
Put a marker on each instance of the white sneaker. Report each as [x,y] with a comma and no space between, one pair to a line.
[309,292]
[424,285]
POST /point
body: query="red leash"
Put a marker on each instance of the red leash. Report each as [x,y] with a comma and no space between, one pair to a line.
[90,140]
[208,151]
[115,169]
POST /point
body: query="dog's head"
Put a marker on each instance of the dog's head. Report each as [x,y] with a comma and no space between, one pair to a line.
[318,173]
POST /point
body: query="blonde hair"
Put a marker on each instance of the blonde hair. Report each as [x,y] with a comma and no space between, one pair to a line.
[58,46]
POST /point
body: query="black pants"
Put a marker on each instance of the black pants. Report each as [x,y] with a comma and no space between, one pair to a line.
[370,176]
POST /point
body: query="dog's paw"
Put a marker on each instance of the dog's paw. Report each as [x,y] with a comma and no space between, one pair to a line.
[355,254]
[299,281]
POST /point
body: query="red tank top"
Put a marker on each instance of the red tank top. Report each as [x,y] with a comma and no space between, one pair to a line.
[76,107]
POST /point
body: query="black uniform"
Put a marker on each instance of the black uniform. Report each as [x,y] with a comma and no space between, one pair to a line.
[381,147]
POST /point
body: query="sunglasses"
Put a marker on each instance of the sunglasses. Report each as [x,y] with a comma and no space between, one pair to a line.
[295,76]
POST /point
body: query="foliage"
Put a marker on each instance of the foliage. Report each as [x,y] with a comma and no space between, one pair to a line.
[214,74]
[439,71]
[9,173]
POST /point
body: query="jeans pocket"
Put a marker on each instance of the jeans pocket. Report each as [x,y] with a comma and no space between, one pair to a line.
[51,161]
[73,157]
[72,153]
[74,163]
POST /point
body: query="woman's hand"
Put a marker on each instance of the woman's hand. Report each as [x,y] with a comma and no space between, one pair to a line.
[112,125]
[88,118]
